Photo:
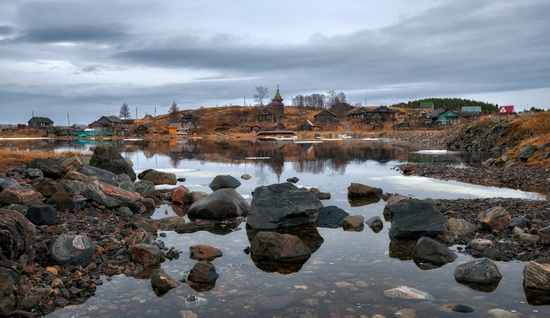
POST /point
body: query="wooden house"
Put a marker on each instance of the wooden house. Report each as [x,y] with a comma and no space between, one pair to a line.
[108,123]
[326,117]
[173,128]
[403,124]
[470,113]
[40,122]
[386,114]
[308,126]
[449,118]
[358,114]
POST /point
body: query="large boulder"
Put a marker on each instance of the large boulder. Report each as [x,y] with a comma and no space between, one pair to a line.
[17,234]
[219,205]
[431,251]
[225,181]
[111,196]
[331,217]
[158,177]
[413,219]
[108,158]
[536,275]
[478,271]
[71,249]
[282,205]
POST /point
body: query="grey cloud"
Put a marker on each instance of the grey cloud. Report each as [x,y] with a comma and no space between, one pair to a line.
[74,33]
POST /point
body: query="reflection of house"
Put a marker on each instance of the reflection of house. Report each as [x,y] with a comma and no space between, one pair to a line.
[308,126]
[40,122]
[449,118]
[326,117]
[506,110]
[108,123]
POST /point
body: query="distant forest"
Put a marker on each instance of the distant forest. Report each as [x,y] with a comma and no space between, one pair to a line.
[454,104]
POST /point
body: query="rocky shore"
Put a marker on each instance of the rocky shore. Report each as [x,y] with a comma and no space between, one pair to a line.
[66,224]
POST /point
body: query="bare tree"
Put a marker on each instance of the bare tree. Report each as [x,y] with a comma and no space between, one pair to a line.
[125,111]
[261,94]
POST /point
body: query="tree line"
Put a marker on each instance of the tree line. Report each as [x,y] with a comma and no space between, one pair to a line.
[454,104]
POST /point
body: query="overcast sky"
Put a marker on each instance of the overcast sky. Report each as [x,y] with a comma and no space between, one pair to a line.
[87,58]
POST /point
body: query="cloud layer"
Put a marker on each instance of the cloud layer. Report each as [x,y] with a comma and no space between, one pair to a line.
[87,58]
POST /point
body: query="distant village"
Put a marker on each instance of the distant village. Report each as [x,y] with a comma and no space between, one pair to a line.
[274,116]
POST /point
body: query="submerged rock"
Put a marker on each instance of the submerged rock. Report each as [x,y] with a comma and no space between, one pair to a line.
[331,217]
[412,219]
[405,292]
[162,283]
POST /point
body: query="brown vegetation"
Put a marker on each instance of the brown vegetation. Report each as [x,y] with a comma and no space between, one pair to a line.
[532,130]
[10,158]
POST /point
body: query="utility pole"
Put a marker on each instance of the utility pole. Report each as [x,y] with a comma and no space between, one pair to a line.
[136,113]
[68,121]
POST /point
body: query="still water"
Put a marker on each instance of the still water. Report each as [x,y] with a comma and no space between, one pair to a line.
[347,274]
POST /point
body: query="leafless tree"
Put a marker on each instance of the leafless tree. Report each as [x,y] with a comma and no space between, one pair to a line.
[261,94]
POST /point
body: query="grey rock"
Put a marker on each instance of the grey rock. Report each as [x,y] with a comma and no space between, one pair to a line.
[108,158]
[526,152]
[158,177]
[42,214]
[17,234]
[354,223]
[62,200]
[50,167]
[478,271]
[412,219]
[331,217]
[219,205]
[224,181]
[431,251]
[375,223]
[276,246]
[71,249]
[111,196]
[144,187]
[101,174]
[282,205]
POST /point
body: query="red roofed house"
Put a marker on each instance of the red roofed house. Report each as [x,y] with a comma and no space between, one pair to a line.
[506,110]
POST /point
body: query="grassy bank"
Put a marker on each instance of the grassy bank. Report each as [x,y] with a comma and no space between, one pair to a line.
[10,158]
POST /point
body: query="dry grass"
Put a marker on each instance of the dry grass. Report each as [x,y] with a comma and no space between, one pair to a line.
[10,158]
[533,130]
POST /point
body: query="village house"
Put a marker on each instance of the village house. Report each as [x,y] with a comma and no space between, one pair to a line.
[173,128]
[40,122]
[326,117]
[449,118]
[384,112]
[506,110]
[427,106]
[108,124]
[308,126]
[403,124]
[470,113]
[358,114]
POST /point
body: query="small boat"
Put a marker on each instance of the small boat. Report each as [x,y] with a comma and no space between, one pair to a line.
[276,135]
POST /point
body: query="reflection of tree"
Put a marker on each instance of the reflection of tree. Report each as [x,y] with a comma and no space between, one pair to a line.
[175,159]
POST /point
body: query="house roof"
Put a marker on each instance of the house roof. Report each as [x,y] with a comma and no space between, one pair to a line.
[426,104]
[44,120]
[174,125]
[326,113]
[506,109]
[470,109]
[384,109]
[437,112]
